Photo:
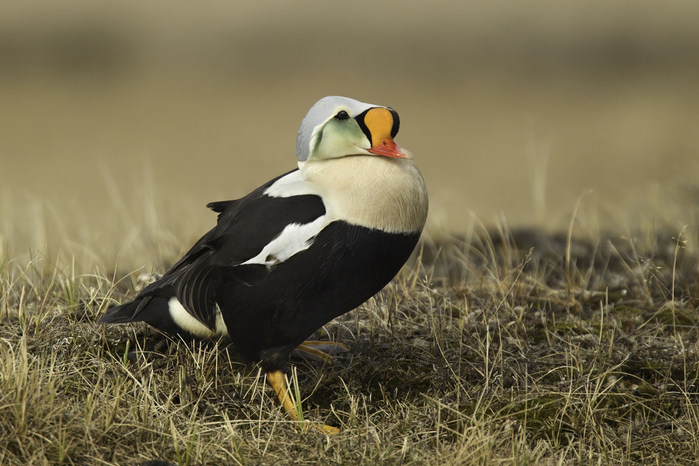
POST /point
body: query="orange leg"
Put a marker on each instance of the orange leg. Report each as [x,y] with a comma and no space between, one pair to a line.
[278,382]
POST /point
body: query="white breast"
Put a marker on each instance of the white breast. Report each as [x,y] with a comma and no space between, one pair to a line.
[374,192]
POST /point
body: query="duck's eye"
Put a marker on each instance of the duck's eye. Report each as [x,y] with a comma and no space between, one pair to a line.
[342,115]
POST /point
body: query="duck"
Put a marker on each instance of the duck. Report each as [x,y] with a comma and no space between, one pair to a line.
[300,250]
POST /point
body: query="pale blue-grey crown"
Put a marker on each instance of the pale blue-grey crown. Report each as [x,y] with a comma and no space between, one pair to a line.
[321,112]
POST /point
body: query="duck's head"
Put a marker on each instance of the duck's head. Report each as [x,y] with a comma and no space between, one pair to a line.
[338,126]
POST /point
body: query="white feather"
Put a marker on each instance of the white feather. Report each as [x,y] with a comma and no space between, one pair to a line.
[292,184]
[188,322]
[292,240]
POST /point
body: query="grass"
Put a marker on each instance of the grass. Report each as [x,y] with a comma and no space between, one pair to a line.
[500,347]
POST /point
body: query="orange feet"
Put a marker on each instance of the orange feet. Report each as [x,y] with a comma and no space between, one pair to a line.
[278,382]
[322,349]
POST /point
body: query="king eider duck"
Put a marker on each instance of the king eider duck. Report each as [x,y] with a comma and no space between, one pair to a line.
[300,250]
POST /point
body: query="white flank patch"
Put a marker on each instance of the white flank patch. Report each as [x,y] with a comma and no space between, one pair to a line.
[188,322]
[292,240]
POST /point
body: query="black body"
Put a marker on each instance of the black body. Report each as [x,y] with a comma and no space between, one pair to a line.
[270,310]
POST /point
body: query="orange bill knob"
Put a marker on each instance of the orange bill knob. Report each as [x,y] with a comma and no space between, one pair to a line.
[382,127]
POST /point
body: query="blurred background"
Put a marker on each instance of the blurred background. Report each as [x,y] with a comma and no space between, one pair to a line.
[120,120]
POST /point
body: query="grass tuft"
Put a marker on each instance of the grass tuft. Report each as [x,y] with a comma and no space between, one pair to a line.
[505,346]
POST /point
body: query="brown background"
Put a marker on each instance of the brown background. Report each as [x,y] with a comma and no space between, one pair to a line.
[116,113]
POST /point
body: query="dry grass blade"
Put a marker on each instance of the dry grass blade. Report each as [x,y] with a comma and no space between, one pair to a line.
[516,347]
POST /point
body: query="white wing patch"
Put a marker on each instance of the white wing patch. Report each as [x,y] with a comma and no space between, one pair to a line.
[188,322]
[290,185]
[292,240]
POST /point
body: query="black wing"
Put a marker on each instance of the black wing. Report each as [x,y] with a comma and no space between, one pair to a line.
[244,228]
